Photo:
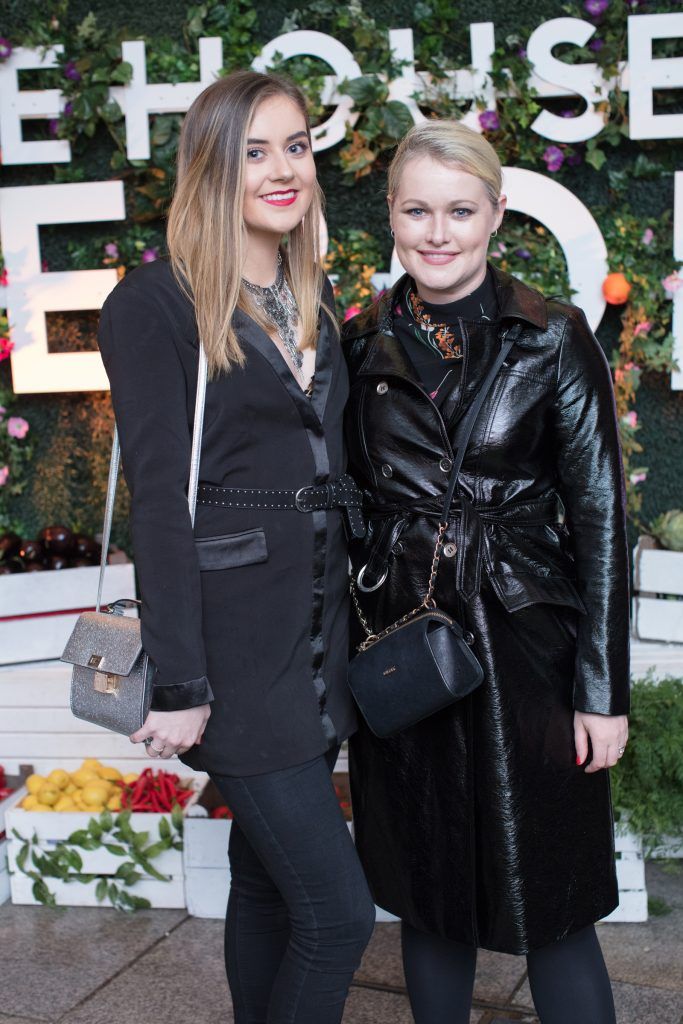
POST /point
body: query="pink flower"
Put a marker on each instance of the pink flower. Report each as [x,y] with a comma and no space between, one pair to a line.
[4,473]
[5,48]
[631,419]
[351,312]
[554,158]
[489,121]
[4,277]
[638,478]
[6,347]
[642,328]
[672,283]
[112,249]
[648,235]
[17,427]
[149,255]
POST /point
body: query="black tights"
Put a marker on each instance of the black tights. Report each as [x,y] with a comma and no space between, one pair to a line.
[568,979]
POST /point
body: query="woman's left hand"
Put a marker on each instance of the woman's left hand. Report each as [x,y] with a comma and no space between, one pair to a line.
[608,735]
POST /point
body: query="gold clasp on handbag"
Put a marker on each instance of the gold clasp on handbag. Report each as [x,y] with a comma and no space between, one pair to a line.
[106,682]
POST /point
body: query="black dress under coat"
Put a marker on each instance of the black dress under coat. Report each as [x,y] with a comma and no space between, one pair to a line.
[477,824]
[250,610]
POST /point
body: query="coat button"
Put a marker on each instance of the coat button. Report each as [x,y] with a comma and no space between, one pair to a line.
[449,550]
[387,471]
[397,548]
[382,387]
[445,465]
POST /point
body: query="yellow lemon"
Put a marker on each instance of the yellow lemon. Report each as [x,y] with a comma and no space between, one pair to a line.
[71,788]
[29,802]
[34,782]
[48,794]
[92,763]
[83,776]
[114,802]
[43,807]
[130,778]
[95,809]
[65,803]
[95,793]
[59,778]
[110,774]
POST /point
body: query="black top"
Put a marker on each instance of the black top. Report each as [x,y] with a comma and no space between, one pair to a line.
[431,333]
[249,610]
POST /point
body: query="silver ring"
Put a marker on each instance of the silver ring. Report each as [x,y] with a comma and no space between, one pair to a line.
[148,744]
[378,584]
[621,750]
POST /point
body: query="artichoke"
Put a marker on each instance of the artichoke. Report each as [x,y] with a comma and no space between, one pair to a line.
[668,529]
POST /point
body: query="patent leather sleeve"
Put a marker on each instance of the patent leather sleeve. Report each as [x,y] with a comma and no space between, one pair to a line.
[591,483]
[149,396]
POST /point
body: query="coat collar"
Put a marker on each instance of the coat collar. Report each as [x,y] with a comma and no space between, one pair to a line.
[516,301]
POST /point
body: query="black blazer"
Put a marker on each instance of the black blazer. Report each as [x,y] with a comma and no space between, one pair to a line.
[250,611]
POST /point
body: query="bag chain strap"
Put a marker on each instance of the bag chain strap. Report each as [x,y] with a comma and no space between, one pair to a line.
[428,602]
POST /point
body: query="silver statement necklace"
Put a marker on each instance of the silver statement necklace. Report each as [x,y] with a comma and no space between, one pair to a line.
[279,305]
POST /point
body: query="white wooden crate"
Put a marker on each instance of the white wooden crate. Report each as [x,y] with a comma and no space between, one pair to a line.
[37,727]
[4,873]
[53,827]
[207,870]
[38,610]
[631,878]
[657,573]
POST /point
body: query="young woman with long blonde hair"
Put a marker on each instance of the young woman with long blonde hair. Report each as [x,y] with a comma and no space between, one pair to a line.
[245,617]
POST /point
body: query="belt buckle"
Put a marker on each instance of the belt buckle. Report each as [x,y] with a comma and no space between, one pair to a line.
[299,499]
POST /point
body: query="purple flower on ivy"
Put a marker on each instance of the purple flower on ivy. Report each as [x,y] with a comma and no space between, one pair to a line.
[53,127]
[554,158]
[574,159]
[523,254]
[521,52]
[648,235]
[596,44]
[71,71]
[68,109]
[149,255]
[112,249]
[5,48]
[596,7]
[488,119]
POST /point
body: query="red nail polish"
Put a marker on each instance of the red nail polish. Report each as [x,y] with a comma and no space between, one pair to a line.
[578,760]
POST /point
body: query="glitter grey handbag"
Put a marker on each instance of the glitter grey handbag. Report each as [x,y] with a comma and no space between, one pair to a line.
[111,680]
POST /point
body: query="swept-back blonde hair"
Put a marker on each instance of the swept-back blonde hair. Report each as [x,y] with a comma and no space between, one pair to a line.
[206,237]
[449,142]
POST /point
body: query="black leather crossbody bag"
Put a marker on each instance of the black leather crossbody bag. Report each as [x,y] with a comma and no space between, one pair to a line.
[422,662]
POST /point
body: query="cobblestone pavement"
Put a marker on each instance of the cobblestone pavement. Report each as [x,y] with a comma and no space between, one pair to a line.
[83,966]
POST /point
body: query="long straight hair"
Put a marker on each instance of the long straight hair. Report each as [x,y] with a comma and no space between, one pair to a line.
[206,234]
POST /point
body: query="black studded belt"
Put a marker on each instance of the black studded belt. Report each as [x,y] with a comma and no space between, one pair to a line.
[342,493]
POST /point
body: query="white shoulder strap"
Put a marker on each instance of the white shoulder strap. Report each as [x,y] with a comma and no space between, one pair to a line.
[194,469]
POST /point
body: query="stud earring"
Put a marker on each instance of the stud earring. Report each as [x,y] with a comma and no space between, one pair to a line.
[391,232]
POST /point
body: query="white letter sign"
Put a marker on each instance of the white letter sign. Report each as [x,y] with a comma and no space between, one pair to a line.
[647,74]
[31,294]
[17,104]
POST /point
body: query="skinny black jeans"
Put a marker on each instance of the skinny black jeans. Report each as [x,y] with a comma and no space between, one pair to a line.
[300,913]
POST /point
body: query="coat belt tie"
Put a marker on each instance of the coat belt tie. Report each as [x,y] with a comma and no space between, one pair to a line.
[469,521]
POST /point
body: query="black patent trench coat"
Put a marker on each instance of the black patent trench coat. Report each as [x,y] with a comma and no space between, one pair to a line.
[477,824]
[250,610]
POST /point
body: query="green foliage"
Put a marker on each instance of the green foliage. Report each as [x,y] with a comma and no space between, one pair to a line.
[64,862]
[647,786]
[15,456]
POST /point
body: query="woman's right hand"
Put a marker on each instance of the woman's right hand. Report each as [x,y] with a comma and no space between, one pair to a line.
[172,732]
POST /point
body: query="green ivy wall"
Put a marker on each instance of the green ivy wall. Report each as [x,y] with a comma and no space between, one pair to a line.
[70,432]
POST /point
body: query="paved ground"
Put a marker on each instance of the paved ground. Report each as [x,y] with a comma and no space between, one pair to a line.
[78,966]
